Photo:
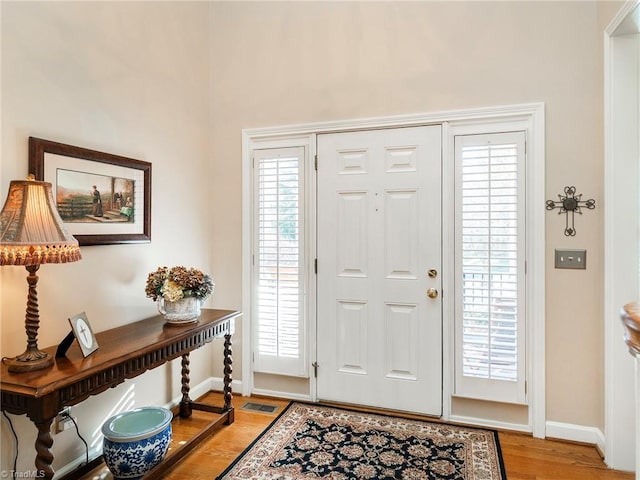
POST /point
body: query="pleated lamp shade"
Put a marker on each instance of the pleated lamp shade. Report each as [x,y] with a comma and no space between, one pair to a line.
[31,230]
[32,233]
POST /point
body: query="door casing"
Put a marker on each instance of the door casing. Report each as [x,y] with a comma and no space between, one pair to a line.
[532,119]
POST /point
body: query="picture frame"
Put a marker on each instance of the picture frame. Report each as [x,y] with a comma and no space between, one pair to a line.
[102,198]
[83,333]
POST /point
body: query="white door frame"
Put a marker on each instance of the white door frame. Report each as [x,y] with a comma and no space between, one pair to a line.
[533,115]
[622,223]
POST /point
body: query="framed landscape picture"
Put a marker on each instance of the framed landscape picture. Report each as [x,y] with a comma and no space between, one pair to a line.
[102,198]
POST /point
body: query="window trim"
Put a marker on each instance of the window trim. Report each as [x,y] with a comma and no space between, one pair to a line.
[253,140]
[278,365]
[483,388]
[531,121]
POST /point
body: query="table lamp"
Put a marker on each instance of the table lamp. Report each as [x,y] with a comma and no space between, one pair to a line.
[32,233]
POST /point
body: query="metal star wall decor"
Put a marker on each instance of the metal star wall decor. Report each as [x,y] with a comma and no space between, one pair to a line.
[570,203]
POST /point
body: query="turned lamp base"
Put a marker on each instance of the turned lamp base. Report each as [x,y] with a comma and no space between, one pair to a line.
[29,361]
[33,358]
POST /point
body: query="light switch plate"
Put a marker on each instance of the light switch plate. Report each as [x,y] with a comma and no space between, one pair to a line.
[574,259]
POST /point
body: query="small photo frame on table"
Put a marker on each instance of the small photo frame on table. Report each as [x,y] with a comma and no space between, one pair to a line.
[102,198]
[81,331]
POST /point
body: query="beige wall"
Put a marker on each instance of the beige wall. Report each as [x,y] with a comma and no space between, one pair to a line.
[135,78]
[287,63]
[125,78]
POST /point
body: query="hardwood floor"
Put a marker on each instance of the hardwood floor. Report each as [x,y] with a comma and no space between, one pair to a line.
[525,458]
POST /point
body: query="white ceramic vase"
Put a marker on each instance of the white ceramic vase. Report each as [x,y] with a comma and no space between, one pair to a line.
[185,310]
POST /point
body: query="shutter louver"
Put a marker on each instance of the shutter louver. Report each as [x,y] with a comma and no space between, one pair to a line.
[489,261]
[490,281]
[279,288]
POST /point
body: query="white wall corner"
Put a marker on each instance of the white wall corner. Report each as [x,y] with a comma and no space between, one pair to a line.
[621,187]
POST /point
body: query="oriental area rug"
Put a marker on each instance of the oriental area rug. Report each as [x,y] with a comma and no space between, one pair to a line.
[309,441]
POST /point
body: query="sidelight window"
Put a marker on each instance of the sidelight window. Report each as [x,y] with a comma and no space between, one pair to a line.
[490,266]
[278,260]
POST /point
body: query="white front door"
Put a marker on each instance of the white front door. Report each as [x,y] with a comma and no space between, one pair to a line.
[379,334]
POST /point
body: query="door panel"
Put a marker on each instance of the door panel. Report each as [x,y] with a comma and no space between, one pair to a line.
[401,325]
[351,348]
[352,234]
[401,251]
[379,232]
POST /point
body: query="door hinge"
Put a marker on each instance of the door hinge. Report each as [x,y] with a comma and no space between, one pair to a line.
[315,162]
[315,369]
[315,266]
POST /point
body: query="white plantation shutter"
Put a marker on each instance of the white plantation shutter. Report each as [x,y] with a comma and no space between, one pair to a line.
[279,260]
[490,253]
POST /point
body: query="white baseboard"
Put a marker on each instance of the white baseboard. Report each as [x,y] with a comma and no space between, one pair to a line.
[211,383]
[555,430]
[217,384]
[194,392]
[576,433]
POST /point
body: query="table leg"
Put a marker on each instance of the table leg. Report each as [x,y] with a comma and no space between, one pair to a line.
[228,361]
[185,403]
[44,442]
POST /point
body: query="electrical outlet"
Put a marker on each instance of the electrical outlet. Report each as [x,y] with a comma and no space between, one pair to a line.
[64,421]
[575,259]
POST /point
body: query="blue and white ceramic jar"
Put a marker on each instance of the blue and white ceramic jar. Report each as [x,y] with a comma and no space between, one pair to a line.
[136,441]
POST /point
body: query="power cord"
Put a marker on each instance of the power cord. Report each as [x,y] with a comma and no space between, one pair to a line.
[15,437]
[86,446]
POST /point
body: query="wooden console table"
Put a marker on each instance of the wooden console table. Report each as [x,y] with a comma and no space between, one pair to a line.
[124,352]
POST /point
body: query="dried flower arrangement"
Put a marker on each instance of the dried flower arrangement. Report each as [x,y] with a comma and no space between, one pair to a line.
[178,282]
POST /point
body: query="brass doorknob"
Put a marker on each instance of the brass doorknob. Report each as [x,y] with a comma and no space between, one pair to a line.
[432,293]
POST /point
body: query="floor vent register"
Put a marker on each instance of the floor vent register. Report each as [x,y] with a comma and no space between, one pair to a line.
[259,407]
